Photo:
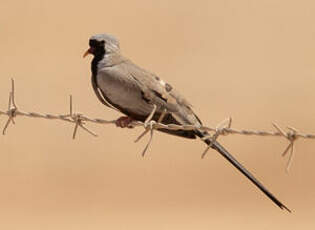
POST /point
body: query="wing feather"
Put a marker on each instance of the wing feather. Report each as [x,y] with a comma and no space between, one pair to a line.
[162,94]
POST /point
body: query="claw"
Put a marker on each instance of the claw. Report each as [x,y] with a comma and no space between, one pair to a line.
[124,122]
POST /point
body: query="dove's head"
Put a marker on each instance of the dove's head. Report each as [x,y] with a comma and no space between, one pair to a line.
[101,44]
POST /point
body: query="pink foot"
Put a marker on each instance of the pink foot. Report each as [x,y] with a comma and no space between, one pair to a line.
[124,122]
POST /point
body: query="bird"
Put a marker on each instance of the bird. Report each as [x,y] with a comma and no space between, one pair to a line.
[124,86]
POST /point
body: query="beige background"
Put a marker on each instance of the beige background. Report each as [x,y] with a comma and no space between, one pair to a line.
[252,60]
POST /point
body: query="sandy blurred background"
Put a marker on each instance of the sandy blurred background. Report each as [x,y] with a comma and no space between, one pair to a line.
[252,60]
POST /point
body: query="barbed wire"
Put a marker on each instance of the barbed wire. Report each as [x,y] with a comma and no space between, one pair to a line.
[222,129]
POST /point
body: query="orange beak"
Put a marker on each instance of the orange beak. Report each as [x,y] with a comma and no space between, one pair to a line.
[89,51]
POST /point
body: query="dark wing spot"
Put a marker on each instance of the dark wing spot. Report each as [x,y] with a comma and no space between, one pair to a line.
[159,95]
[168,87]
[144,98]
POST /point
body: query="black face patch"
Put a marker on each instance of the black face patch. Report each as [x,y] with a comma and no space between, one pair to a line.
[96,44]
[92,43]
[98,52]
[168,87]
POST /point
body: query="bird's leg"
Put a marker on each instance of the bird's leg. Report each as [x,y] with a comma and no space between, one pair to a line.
[124,122]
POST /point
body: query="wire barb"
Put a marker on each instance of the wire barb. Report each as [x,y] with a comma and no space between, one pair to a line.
[12,109]
[149,126]
[78,119]
[220,129]
[291,136]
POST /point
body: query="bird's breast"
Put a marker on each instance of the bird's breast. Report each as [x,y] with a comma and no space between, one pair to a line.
[123,92]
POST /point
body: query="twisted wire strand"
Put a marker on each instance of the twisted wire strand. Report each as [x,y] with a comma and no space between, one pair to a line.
[223,128]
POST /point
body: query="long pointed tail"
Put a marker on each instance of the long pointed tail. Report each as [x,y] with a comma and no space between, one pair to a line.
[244,171]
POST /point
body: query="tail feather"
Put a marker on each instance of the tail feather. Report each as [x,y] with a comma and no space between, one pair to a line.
[244,171]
